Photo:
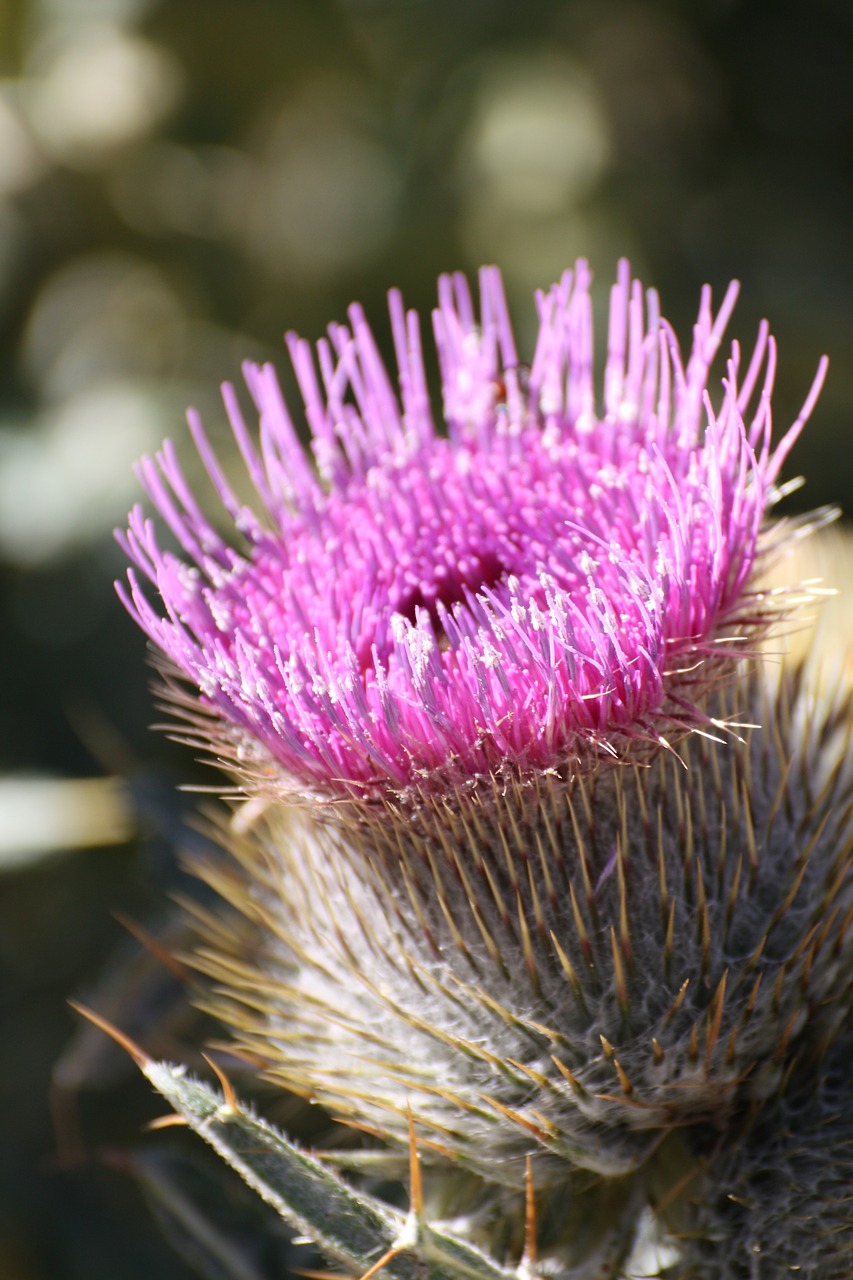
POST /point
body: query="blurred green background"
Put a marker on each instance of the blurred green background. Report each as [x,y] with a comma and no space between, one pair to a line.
[180,180]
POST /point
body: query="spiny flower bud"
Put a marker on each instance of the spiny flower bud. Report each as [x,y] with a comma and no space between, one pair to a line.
[537,584]
[569,966]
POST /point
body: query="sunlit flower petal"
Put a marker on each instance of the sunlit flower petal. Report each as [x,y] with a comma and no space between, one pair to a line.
[528,582]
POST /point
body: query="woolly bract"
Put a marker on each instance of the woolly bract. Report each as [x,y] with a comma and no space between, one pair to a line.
[776,1200]
[568,968]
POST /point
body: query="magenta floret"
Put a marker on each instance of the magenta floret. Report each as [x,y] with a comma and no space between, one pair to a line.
[513,589]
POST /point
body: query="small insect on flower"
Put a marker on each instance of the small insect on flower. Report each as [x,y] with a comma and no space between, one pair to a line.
[528,585]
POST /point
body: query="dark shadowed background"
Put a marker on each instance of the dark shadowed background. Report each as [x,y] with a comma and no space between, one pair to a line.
[180,181]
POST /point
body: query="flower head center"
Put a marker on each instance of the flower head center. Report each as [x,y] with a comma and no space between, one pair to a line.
[450,588]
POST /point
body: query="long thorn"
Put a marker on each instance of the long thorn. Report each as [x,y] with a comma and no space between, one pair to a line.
[416,1186]
[155,947]
[229,1097]
[140,1057]
[173,1120]
[530,1257]
[392,1253]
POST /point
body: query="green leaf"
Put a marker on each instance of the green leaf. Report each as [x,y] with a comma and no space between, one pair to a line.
[350,1226]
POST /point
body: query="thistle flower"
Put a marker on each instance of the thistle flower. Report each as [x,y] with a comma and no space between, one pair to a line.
[537,585]
[491,888]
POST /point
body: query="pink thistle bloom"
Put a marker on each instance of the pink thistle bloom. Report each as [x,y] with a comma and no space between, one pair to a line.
[527,584]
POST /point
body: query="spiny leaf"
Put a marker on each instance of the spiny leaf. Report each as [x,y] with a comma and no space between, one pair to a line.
[350,1226]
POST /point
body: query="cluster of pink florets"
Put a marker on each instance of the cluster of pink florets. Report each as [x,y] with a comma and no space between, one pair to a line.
[509,589]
